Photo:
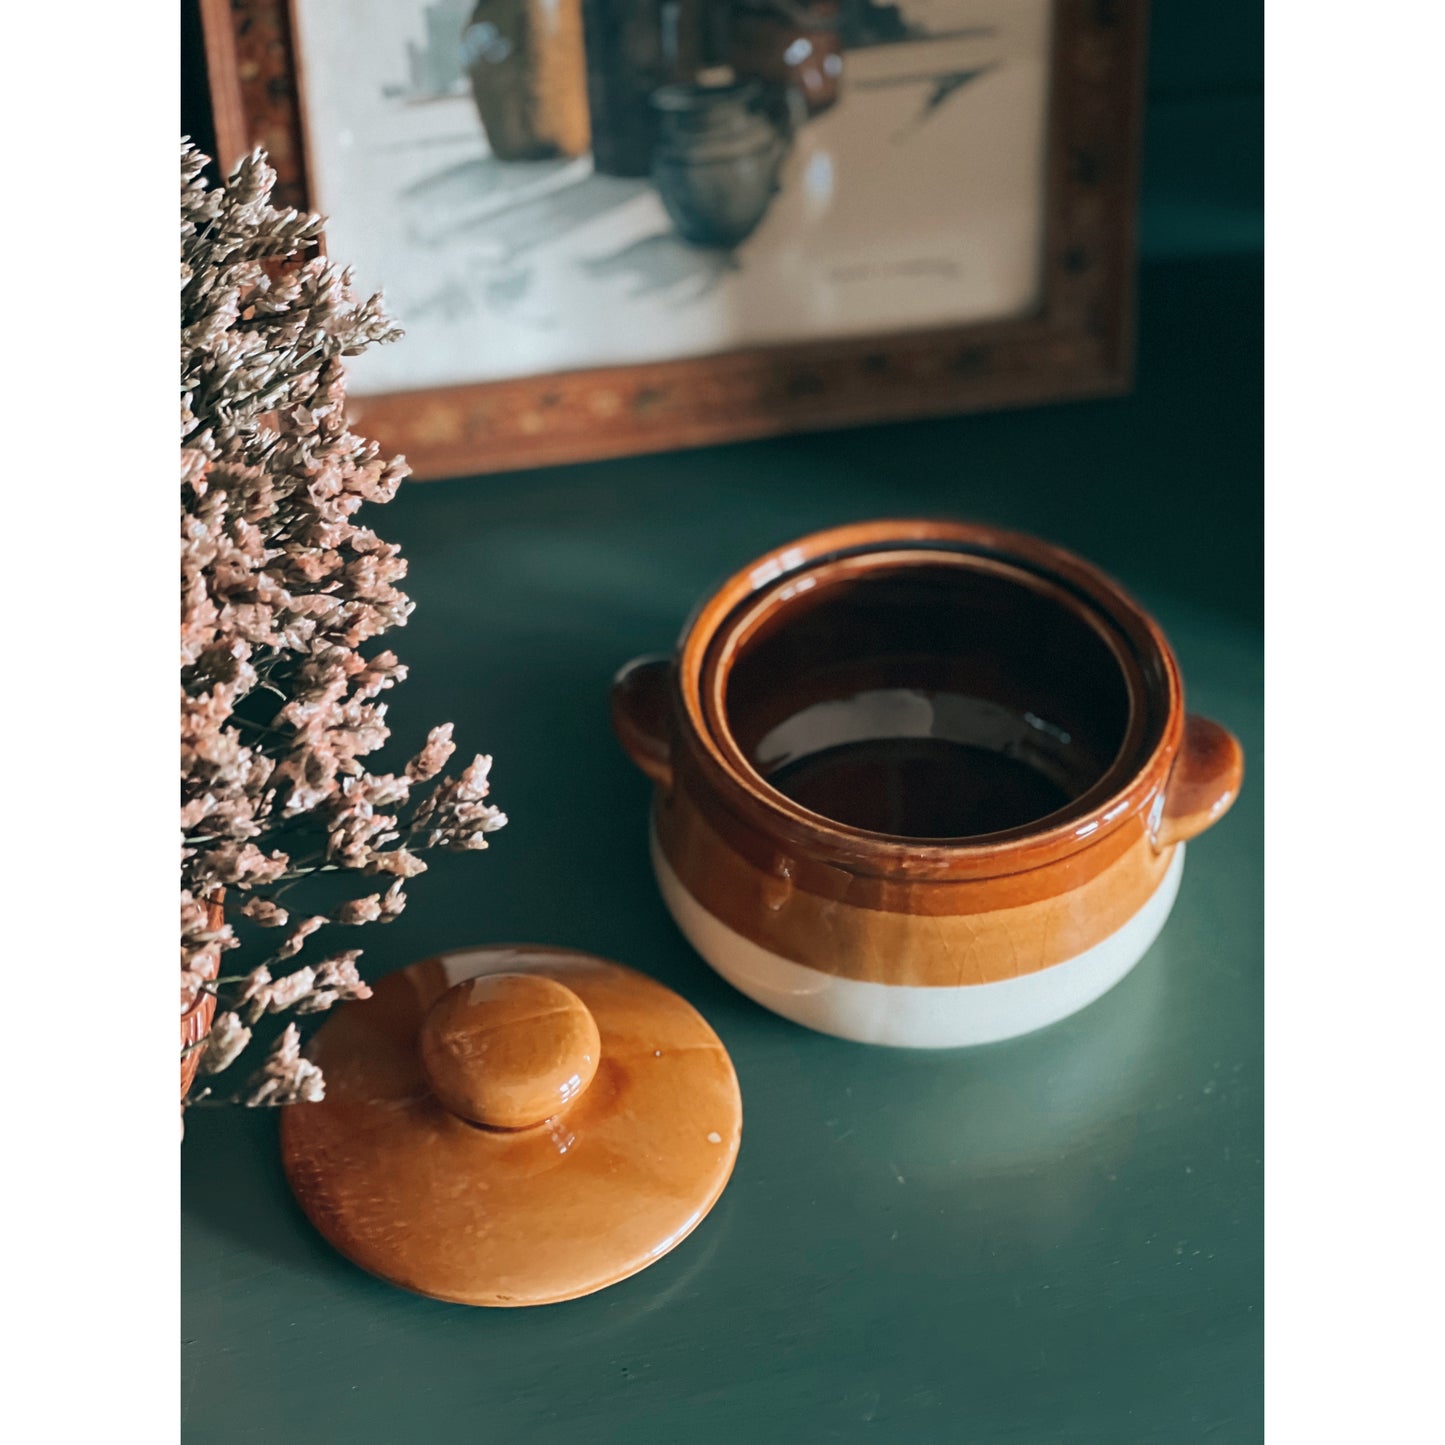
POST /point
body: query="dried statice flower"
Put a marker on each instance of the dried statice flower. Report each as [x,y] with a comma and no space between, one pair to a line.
[283,591]
[224,1043]
[399,862]
[264,911]
[433,757]
[336,979]
[393,902]
[295,940]
[285,992]
[253,987]
[360,910]
[455,815]
[285,1077]
[339,974]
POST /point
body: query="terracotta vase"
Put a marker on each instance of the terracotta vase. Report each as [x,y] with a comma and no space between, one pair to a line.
[717,158]
[198,1008]
[922,783]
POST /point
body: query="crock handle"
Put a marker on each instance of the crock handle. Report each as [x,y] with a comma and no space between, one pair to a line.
[1203,784]
[640,706]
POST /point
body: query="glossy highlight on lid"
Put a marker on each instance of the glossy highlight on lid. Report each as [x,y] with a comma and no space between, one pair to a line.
[509,1050]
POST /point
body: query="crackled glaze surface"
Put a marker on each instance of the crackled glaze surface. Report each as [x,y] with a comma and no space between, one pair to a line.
[407,1189]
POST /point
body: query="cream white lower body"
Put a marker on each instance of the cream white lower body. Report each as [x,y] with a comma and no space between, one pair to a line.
[908,1016]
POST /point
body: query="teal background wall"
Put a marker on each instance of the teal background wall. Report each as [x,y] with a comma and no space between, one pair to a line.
[1202,190]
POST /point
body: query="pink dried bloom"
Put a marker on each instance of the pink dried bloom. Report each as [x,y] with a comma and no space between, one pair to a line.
[282,585]
[227,1038]
[339,973]
[196,811]
[285,1077]
[470,839]
[357,833]
[308,773]
[264,912]
[399,863]
[455,815]
[393,902]
[238,863]
[336,980]
[381,672]
[291,945]
[388,790]
[360,910]
[195,917]
[286,992]
[433,756]
[254,993]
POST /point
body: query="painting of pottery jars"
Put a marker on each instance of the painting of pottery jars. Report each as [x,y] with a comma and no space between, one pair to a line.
[528,75]
[547,186]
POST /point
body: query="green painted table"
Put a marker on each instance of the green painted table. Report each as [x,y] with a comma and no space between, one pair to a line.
[1055,1239]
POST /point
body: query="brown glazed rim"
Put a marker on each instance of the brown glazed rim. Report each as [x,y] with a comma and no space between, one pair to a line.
[721,624]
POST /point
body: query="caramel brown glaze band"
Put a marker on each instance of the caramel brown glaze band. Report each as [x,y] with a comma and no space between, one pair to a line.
[946,934]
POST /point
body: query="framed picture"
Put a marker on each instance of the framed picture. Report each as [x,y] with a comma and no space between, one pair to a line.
[614,226]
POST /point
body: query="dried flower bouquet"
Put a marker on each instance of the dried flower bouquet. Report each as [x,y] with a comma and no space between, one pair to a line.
[282,591]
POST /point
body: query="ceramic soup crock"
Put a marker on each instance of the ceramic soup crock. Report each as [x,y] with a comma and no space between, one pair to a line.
[921,783]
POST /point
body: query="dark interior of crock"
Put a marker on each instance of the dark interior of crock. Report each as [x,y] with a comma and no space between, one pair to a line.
[928,701]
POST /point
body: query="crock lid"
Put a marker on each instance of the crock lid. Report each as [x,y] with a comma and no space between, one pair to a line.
[513,1125]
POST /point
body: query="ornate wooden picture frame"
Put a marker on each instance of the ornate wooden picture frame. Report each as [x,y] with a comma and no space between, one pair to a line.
[1076,341]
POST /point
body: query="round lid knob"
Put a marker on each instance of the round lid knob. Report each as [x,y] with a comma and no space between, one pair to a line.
[509,1050]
